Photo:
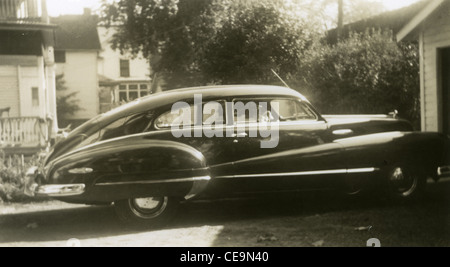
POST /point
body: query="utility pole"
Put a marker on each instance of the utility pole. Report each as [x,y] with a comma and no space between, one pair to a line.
[340,28]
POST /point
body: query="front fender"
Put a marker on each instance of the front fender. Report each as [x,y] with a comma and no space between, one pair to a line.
[424,151]
[131,167]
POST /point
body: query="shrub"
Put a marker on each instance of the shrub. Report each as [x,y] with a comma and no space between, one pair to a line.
[12,177]
[366,73]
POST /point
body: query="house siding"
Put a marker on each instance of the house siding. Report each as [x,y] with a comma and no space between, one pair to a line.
[109,65]
[80,75]
[436,35]
[9,90]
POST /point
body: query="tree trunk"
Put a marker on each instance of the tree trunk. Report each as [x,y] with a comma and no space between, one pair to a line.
[340,28]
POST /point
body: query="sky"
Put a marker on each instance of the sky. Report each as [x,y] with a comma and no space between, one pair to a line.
[62,7]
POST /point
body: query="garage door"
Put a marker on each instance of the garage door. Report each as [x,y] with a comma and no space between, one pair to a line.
[9,90]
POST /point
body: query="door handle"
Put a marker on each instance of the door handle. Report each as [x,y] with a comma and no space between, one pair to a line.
[343,132]
[239,135]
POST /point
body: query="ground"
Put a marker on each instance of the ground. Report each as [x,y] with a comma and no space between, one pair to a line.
[308,220]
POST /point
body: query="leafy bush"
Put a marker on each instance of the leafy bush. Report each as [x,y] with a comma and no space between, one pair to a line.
[12,177]
[366,73]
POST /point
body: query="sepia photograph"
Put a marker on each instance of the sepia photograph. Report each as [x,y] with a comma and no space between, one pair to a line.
[237,126]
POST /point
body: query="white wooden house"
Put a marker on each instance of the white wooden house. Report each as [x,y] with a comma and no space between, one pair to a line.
[122,77]
[431,26]
[27,76]
[77,55]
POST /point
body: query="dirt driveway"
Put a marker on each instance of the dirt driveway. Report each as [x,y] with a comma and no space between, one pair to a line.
[308,220]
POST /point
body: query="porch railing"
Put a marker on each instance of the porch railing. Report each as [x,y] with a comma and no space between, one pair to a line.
[24,132]
[22,10]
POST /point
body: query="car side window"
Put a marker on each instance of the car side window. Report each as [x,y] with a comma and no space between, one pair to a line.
[246,111]
[88,139]
[213,113]
[128,125]
[133,124]
[293,110]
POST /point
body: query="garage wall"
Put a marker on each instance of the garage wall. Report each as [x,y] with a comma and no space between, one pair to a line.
[435,35]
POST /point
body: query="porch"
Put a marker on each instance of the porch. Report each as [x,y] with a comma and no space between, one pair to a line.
[24,135]
[23,11]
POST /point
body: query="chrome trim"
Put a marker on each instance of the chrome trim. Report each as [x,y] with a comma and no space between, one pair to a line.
[323,172]
[81,171]
[180,180]
[343,132]
[60,190]
[198,187]
[443,171]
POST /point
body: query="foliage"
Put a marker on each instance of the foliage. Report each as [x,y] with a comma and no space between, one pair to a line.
[366,73]
[66,104]
[194,42]
[160,30]
[12,176]
[323,14]
[198,42]
[253,38]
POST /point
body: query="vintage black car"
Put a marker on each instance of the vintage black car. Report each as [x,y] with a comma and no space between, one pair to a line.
[134,157]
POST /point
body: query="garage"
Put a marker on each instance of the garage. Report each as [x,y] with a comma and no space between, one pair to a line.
[431,27]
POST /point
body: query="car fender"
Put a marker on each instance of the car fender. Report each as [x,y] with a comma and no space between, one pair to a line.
[424,151]
[132,167]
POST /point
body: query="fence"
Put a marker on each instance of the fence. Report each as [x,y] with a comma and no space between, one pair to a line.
[24,132]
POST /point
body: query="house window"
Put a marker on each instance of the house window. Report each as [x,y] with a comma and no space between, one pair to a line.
[130,92]
[60,56]
[35,96]
[124,68]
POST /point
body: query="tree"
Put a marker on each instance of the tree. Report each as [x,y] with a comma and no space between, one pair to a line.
[188,41]
[324,14]
[161,30]
[254,37]
[66,104]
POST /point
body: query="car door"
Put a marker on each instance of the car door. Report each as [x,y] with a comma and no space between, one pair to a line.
[208,136]
[302,159]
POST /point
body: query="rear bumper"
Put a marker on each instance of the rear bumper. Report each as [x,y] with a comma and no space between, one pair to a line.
[55,190]
[32,188]
[443,171]
[65,190]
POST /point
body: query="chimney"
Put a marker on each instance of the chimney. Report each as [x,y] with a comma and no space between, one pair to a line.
[87,12]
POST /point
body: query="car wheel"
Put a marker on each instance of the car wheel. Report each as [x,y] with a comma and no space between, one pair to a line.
[147,212]
[405,183]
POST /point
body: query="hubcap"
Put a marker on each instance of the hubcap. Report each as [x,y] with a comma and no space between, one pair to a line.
[148,208]
[403,182]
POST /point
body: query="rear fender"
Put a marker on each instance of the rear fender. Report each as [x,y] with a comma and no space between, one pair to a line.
[132,167]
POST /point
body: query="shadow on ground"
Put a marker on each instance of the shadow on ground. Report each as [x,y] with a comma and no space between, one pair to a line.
[309,219]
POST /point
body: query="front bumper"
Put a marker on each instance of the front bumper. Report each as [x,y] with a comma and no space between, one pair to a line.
[32,188]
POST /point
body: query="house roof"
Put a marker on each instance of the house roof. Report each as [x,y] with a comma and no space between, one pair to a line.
[76,32]
[420,16]
[393,20]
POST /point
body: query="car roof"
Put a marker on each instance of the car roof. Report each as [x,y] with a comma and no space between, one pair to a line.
[207,92]
[166,98]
